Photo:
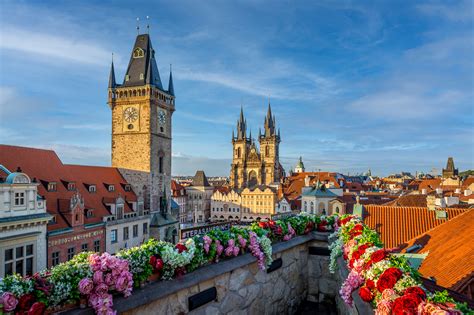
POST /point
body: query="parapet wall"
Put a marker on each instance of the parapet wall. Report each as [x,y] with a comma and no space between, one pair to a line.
[238,286]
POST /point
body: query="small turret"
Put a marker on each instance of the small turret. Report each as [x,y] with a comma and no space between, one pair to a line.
[112,83]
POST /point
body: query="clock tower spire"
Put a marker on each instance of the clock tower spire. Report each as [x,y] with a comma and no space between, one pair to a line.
[141,126]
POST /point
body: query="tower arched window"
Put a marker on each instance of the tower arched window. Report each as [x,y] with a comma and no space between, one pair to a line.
[267,151]
[238,153]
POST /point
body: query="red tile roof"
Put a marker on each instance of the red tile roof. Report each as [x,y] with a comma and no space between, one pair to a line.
[450,249]
[397,225]
[45,166]
[292,189]
[177,189]
[408,201]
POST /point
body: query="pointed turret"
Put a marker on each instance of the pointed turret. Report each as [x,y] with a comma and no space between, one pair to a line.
[112,83]
[269,123]
[241,126]
[170,84]
[142,68]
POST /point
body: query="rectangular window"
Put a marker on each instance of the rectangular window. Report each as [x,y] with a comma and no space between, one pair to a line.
[52,186]
[19,199]
[71,186]
[55,258]
[160,165]
[145,228]
[19,260]
[113,236]
[135,230]
[125,233]
[70,253]
[97,246]
[84,247]
[111,188]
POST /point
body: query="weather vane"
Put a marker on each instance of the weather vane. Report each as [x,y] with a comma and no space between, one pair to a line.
[148,24]
[138,26]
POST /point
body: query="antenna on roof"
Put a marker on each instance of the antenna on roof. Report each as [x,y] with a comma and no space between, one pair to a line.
[138,26]
[112,57]
[148,24]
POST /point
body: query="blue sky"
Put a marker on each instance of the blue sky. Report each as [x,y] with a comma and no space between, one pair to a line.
[386,85]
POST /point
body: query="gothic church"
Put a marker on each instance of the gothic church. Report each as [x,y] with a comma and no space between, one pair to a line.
[252,166]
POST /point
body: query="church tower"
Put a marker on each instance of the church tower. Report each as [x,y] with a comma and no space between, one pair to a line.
[269,148]
[241,145]
[252,166]
[141,125]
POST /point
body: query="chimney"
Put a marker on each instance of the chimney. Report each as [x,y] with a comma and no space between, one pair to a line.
[431,202]
[458,190]
[467,192]
[439,190]
[306,181]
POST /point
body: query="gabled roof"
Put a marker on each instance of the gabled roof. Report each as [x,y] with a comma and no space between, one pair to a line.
[397,225]
[46,167]
[200,179]
[450,251]
[408,201]
[142,69]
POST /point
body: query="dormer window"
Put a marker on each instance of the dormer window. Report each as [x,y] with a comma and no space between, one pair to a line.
[138,53]
[53,220]
[127,77]
[128,187]
[141,76]
[52,186]
[71,186]
[92,188]
[111,188]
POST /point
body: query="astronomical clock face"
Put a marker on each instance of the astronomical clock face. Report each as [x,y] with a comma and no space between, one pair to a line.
[161,117]
[130,114]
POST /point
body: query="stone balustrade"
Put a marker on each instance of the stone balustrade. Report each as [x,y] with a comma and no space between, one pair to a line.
[299,273]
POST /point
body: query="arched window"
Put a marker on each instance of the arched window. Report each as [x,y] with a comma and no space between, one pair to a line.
[267,151]
[337,209]
[252,179]
[138,53]
[238,153]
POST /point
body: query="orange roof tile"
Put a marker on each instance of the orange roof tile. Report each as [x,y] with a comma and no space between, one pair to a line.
[397,225]
[408,201]
[450,251]
[45,166]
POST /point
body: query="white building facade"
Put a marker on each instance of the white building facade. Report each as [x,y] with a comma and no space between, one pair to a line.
[23,225]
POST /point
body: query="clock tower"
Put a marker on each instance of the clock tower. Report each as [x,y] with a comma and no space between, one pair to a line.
[141,126]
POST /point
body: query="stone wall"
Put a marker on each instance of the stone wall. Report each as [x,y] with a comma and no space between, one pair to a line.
[241,288]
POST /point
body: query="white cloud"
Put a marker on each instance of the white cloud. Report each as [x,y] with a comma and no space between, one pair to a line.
[460,12]
[87,126]
[53,47]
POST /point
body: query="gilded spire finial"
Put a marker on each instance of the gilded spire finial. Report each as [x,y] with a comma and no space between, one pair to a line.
[148,24]
[138,26]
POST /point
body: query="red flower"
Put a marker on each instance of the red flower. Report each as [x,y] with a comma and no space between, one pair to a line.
[363,247]
[370,284]
[179,272]
[416,290]
[37,308]
[356,255]
[25,302]
[344,221]
[351,263]
[344,256]
[378,256]
[406,305]
[152,260]
[271,223]
[263,225]
[181,248]
[365,294]
[388,279]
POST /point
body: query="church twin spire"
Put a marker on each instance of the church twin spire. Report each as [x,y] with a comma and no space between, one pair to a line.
[269,126]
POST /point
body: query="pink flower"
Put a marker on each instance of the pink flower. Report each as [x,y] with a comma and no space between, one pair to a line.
[291,231]
[389,294]
[9,301]
[219,248]
[98,277]
[384,307]
[122,283]
[207,243]
[242,241]
[236,251]
[109,279]
[85,286]
[95,262]
[101,288]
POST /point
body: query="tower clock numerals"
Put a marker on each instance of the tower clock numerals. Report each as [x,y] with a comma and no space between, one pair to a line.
[161,117]
[130,114]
